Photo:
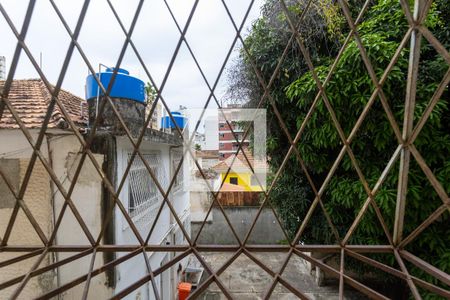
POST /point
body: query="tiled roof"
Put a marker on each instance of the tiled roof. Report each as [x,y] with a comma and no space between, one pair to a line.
[240,164]
[30,98]
[228,187]
[207,153]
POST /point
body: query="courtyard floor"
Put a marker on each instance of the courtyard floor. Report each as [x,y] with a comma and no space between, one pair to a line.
[246,280]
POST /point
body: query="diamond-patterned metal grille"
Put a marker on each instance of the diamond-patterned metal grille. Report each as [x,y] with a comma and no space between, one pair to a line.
[403,154]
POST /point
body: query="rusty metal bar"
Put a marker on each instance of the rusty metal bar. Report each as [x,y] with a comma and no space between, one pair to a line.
[365,206]
[12,69]
[405,149]
[89,276]
[411,284]
[420,263]
[341,275]
[376,264]
[430,176]
[202,248]
[152,276]
[428,221]
[354,283]
[276,275]
[83,278]
[42,270]
[20,258]
[434,100]
[216,278]
[390,270]
[147,278]
[178,129]
[204,285]
[408,119]
[27,276]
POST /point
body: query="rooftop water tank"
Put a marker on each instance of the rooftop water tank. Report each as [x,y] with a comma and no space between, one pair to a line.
[125,86]
[180,120]
[128,96]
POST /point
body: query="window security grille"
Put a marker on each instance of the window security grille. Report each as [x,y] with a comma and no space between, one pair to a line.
[416,35]
[176,159]
[144,197]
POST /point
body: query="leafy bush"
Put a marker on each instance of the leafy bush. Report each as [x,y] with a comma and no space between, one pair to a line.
[348,91]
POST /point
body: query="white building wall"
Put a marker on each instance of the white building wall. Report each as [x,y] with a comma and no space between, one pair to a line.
[211,133]
[164,232]
[87,197]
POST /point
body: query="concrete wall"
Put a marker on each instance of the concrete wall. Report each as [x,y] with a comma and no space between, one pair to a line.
[266,230]
[15,148]
[45,202]
[211,133]
[87,197]
[200,203]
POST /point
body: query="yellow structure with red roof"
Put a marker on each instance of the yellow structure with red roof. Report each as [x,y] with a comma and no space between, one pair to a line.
[240,177]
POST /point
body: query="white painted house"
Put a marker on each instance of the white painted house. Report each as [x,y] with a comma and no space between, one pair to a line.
[92,200]
[143,200]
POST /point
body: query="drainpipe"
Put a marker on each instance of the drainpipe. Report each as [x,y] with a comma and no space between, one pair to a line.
[52,191]
[172,219]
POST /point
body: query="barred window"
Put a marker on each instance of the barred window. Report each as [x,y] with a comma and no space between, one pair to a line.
[176,159]
[143,194]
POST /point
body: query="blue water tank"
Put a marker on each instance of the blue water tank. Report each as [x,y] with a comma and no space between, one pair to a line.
[180,120]
[124,86]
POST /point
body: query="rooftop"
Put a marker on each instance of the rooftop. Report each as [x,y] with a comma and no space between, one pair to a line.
[30,98]
[240,164]
[207,153]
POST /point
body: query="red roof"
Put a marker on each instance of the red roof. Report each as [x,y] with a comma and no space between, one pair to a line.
[240,164]
[207,153]
[30,98]
[228,187]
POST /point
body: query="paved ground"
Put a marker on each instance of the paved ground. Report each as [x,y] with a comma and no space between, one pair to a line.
[246,280]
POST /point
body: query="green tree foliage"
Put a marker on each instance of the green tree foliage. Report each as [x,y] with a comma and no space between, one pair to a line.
[150,93]
[348,91]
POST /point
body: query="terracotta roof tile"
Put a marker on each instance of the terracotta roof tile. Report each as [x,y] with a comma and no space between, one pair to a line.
[207,153]
[240,164]
[30,98]
[228,187]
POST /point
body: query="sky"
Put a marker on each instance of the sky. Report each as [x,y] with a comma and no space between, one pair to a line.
[210,36]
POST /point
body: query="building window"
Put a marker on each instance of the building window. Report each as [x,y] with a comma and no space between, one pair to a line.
[178,181]
[222,135]
[222,155]
[143,194]
[234,180]
[221,145]
[221,125]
